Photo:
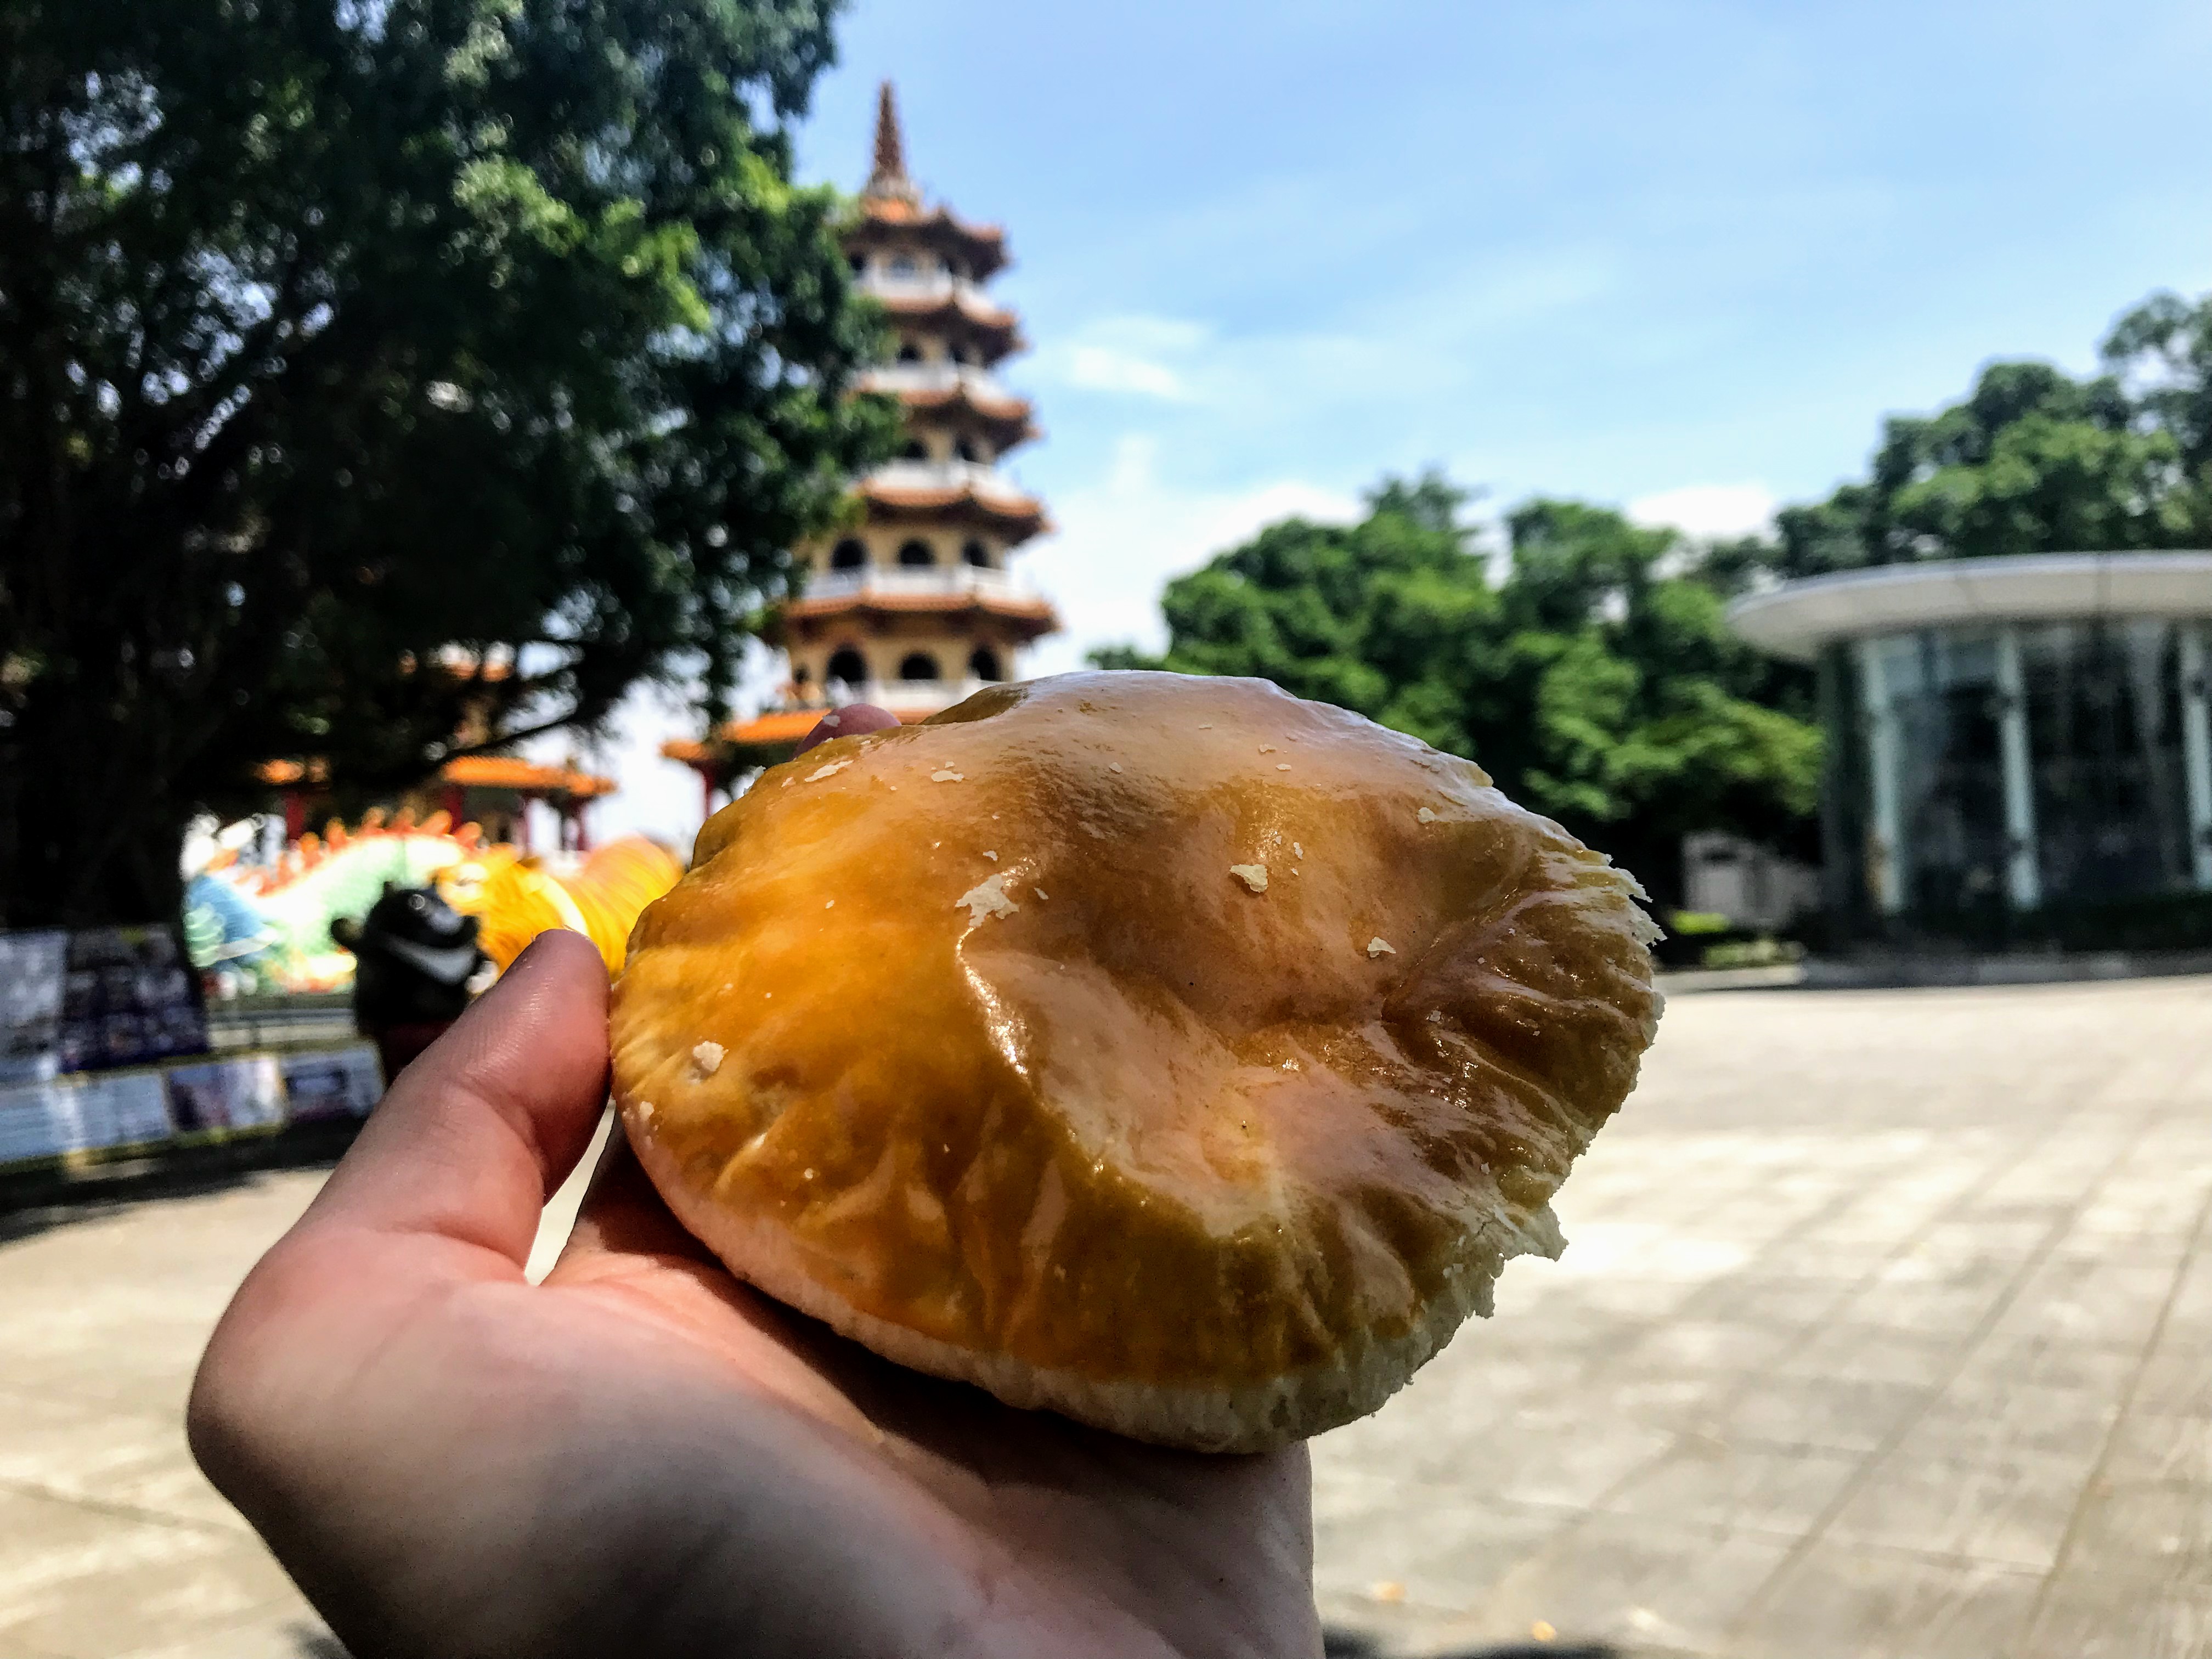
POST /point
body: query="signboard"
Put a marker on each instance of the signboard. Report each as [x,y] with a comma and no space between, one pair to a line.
[326,1084]
[245,1093]
[32,969]
[128,996]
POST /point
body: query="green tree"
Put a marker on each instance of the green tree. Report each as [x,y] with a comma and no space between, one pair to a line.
[375,371]
[2162,349]
[2034,461]
[1597,682]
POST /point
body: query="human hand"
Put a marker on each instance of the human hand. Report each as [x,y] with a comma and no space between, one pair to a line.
[643,1455]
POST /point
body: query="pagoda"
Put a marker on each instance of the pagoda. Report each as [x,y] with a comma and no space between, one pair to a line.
[912,606]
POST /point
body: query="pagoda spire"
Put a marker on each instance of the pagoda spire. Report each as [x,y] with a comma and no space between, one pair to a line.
[889,178]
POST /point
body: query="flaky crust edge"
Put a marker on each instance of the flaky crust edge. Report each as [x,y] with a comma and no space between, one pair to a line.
[1256,1418]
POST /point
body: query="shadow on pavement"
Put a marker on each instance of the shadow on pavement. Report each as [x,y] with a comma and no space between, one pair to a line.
[37,1201]
[1356,1645]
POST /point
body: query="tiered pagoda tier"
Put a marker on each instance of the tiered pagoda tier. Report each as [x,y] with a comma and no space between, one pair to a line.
[912,607]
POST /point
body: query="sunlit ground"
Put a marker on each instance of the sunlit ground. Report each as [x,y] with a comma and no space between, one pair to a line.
[1885,1328]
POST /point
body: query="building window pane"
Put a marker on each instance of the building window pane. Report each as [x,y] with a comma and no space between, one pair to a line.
[1943,696]
[2105,731]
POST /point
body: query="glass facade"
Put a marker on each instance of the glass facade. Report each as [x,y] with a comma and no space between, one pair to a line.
[2014,767]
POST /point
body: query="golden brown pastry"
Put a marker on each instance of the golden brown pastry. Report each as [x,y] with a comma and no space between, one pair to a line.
[1165,1051]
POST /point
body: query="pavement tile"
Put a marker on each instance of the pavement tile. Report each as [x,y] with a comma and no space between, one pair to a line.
[1707,1481]
[87,1452]
[1624,1579]
[2176,1378]
[1877,1353]
[1740,1345]
[2142,1534]
[1831,1414]
[1991,1420]
[1839,1601]
[1925,1306]
[1791,1303]
[2092,1302]
[2013,1510]
[2010,1359]
[2157,1446]
[1437,1553]
[88,1584]
[2087,1621]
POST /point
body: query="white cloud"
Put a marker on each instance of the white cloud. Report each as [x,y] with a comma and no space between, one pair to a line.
[1710,511]
[1102,368]
[1122,538]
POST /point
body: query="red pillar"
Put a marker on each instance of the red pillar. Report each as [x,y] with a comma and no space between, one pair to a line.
[296,814]
[456,805]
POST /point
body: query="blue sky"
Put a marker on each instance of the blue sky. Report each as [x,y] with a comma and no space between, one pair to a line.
[1678,257]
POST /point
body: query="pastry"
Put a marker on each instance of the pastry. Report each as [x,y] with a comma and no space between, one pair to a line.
[1165,1051]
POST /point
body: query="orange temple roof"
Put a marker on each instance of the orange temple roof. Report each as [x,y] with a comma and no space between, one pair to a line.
[1007,418]
[770,730]
[1021,516]
[467,771]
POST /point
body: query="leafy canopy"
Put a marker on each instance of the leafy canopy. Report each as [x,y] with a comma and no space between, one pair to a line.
[2035,461]
[1597,681]
[381,378]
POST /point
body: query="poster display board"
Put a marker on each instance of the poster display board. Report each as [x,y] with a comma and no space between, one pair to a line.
[247,1092]
[326,1083]
[77,1113]
[130,995]
[33,971]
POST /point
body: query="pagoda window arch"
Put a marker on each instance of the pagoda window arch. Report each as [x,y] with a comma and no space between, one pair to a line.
[974,552]
[983,663]
[914,450]
[851,554]
[859,264]
[964,354]
[909,352]
[968,449]
[848,666]
[917,552]
[918,665]
[903,265]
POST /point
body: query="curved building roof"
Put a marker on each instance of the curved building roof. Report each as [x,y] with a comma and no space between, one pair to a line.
[1797,618]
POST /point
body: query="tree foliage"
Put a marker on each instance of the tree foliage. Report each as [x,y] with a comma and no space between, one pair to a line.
[2034,461]
[1597,681]
[375,371]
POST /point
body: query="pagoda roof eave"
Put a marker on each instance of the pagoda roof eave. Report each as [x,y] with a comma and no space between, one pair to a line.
[885,218]
[1031,617]
[766,737]
[891,503]
[1007,420]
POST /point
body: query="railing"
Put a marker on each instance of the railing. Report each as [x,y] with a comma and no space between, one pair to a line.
[980,476]
[932,580]
[935,377]
[935,285]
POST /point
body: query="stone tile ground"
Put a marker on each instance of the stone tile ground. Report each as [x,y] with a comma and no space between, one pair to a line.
[1886,1329]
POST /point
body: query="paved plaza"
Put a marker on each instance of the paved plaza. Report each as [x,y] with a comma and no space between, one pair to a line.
[1884,1330]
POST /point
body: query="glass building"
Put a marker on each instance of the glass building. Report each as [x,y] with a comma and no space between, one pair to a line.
[2006,735]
